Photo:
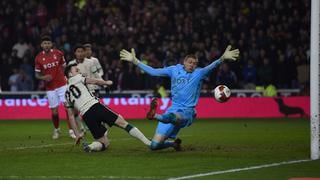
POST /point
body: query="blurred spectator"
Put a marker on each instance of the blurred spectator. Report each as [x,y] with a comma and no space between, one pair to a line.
[13,80]
[170,29]
[226,76]
[24,82]
[281,72]
[249,73]
[26,66]
[265,73]
[303,71]
[21,47]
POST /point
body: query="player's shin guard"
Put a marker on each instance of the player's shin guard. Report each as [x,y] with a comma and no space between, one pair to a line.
[161,145]
[167,118]
[135,132]
[55,120]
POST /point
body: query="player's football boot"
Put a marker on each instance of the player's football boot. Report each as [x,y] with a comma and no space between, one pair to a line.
[86,147]
[177,144]
[153,108]
[56,133]
[71,134]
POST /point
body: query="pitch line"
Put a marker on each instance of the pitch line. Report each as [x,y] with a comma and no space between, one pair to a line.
[61,144]
[239,169]
[53,145]
[79,177]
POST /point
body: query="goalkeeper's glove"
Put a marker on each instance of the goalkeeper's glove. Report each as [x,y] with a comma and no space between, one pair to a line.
[232,55]
[130,57]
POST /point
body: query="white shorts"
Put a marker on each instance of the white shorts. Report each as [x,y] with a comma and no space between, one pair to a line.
[56,96]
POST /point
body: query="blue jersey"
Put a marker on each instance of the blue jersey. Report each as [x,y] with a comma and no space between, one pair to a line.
[185,87]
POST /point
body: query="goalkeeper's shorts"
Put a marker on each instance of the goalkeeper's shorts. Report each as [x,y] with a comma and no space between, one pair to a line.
[170,130]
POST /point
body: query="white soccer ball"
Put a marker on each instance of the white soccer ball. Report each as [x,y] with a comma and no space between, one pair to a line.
[222,93]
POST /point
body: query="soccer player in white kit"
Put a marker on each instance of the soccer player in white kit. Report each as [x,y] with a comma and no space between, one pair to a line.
[93,112]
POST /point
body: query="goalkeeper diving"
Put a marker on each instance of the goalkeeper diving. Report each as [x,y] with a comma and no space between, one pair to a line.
[186,82]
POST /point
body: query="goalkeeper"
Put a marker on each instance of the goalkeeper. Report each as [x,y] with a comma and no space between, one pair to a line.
[186,81]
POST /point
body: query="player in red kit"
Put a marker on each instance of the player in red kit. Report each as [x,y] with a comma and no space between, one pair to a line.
[49,67]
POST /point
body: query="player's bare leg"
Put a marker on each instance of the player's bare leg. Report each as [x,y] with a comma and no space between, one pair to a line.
[55,121]
[71,132]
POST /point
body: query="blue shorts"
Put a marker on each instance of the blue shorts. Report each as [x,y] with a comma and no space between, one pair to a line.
[170,130]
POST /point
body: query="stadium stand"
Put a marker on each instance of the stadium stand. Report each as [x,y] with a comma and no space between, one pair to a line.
[273,37]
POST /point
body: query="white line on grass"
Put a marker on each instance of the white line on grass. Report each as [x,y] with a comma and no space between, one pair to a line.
[61,144]
[80,177]
[52,145]
[239,169]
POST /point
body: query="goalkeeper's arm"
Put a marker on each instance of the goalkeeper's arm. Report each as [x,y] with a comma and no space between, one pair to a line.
[131,57]
[227,55]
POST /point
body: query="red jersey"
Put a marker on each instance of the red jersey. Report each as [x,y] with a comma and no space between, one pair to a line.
[51,63]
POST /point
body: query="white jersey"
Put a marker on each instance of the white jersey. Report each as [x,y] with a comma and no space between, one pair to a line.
[88,69]
[97,65]
[78,96]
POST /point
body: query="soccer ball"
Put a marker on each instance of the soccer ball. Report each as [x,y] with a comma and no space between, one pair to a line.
[222,93]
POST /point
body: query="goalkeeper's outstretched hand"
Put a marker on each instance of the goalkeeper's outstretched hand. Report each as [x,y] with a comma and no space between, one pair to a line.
[230,54]
[127,56]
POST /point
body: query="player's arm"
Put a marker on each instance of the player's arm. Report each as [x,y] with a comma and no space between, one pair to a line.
[131,57]
[99,82]
[73,125]
[70,113]
[227,55]
[47,77]
[38,70]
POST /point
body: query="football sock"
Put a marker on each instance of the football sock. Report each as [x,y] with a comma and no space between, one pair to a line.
[55,120]
[167,118]
[161,145]
[97,146]
[135,132]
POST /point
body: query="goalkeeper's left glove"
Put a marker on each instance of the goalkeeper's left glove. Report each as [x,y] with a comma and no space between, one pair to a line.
[228,54]
[130,57]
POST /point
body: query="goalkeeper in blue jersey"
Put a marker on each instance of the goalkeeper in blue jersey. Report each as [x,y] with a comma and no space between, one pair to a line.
[186,81]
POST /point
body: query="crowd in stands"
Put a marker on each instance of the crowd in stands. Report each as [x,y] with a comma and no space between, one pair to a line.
[272,35]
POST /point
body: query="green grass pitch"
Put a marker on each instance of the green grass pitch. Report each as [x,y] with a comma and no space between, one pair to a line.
[209,145]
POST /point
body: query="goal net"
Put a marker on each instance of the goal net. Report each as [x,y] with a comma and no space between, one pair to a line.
[314,78]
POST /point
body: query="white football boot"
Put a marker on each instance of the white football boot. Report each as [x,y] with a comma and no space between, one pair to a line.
[71,134]
[56,133]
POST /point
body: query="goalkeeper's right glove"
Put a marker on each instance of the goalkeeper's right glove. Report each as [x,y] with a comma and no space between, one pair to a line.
[127,56]
[230,54]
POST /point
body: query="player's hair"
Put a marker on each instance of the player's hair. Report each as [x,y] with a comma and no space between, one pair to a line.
[77,47]
[45,38]
[87,45]
[191,56]
[68,69]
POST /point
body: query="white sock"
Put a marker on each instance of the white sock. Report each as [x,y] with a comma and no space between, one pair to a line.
[95,146]
[135,132]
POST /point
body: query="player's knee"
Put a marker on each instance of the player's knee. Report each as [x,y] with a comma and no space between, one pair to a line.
[154,145]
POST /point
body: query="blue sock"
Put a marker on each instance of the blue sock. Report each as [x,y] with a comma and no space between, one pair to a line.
[167,118]
[160,145]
